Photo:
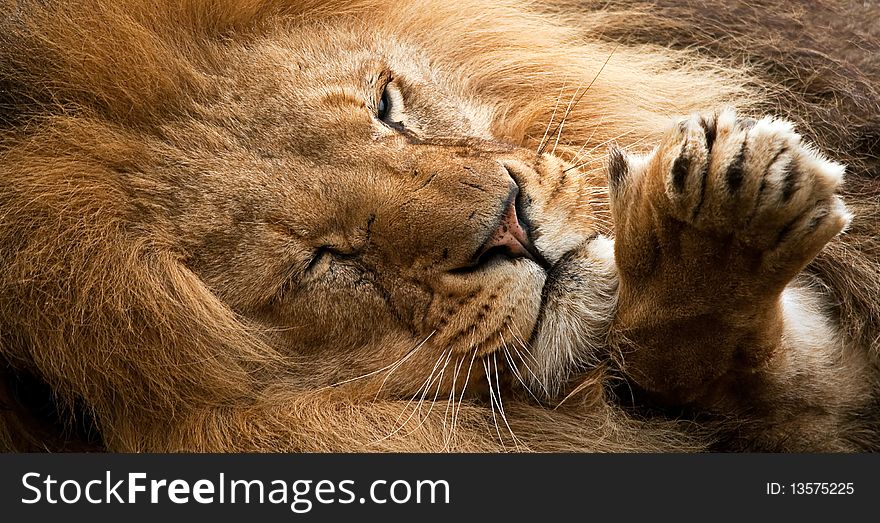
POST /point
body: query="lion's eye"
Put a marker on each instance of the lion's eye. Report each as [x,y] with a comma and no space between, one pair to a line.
[384,107]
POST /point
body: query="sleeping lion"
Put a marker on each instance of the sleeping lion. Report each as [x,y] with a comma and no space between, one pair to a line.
[423,225]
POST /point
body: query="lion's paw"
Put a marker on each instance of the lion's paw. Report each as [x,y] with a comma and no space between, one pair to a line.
[753,185]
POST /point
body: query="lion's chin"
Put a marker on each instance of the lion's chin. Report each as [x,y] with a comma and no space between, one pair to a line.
[579,299]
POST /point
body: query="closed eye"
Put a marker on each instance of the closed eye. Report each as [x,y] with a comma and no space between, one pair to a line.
[322,256]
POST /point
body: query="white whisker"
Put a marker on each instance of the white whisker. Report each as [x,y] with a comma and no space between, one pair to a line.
[400,362]
[421,393]
[550,123]
[451,403]
[577,156]
[516,442]
[525,363]
[606,142]
[436,395]
[467,378]
[576,102]
[492,401]
[389,366]
[564,118]
[515,371]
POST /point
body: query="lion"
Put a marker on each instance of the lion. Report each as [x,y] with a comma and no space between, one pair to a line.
[364,225]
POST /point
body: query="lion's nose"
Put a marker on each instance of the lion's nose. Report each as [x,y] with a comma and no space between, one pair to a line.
[508,239]
[509,236]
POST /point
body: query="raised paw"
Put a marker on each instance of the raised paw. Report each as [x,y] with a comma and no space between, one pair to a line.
[709,229]
[718,181]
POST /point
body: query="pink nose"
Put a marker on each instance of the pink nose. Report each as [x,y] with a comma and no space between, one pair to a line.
[509,235]
[508,239]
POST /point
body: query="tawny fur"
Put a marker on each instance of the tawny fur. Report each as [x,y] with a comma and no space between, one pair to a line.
[124,298]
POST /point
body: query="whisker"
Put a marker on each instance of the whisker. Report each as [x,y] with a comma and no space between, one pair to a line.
[422,391]
[516,443]
[528,356]
[516,373]
[577,156]
[451,402]
[436,395]
[523,360]
[576,102]
[606,142]
[400,362]
[552,116]
[430,381]
[439,380]
[389,366]
[525,363]
[467,378]
[492,401]
[562,122]
[598,158]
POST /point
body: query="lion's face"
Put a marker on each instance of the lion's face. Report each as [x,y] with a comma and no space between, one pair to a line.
[359,209]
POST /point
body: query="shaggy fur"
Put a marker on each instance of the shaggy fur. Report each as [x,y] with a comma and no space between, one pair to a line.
[208,241]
